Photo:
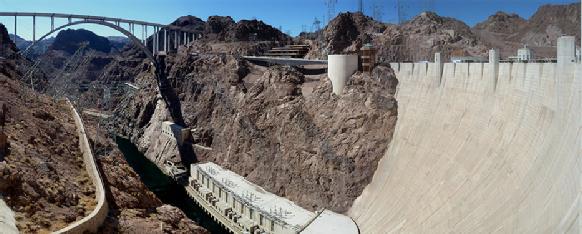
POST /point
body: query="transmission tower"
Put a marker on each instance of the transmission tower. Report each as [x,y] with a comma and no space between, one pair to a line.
[401,8]
[361,6]
[429,5]
[377,10]
[330,4]
[316,25]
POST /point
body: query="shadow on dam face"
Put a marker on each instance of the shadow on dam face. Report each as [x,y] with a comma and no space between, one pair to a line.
[166,189]
[478,151]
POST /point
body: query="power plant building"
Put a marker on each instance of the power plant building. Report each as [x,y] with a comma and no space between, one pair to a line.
[243,207]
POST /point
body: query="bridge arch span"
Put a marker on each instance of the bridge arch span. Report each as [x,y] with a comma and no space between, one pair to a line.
[128,34]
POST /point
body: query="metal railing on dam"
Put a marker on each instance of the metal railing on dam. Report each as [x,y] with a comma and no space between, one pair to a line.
[480,148]
[93,221]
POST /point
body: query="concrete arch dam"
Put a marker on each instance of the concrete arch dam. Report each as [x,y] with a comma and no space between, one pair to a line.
[480,151]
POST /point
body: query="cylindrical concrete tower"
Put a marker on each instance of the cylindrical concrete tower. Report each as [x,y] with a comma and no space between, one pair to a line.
[567,49]
[339,69]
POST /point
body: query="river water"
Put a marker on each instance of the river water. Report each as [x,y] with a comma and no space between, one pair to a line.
[166,189]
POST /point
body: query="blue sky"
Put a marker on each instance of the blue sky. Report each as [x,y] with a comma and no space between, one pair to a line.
[291,15]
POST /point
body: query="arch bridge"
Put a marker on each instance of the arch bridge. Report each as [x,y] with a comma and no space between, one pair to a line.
[165,37]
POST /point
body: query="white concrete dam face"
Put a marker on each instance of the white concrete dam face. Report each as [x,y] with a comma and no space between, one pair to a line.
[467,158]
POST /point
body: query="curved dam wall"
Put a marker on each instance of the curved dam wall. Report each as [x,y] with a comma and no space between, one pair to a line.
[93,221]
[7,219]
[484,148]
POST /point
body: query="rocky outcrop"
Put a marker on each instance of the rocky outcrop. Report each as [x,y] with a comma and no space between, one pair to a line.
[429,33]
[315,148]
[7,47]
[71,39]
[191,23]
[43,178]
[39,48]
[415,40]
[503,23]
[3,137]
[509,32]
[7,54]
[549,23]
[135,208]
[223,28]
[217,27]
[349,31]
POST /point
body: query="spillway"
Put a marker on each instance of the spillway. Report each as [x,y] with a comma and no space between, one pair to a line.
[480,149]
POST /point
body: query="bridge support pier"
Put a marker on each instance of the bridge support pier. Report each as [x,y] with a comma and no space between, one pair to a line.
[15,26]
[165,40]
[155,41]
[176,40]
[33,29]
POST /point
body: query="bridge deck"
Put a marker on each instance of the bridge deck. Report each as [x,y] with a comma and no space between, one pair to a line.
[97,18]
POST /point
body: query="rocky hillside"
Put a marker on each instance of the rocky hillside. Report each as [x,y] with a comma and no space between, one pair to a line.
[349,31]
[510,32]
[40,47]
[277,127]
[42,175]
[224,28]
[191,23]
[416,40]
[71,39]
[135,209]
[7,47]
[94,78]
[549,23]
[502,23]
[43,178]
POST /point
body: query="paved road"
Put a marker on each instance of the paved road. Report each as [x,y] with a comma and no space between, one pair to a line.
[286,61]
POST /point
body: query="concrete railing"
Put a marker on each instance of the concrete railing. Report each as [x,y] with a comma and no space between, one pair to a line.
[93,221]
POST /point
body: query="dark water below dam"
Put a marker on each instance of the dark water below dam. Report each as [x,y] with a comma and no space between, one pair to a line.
[165,188]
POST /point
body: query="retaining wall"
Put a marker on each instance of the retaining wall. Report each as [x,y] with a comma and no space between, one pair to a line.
[93,221]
